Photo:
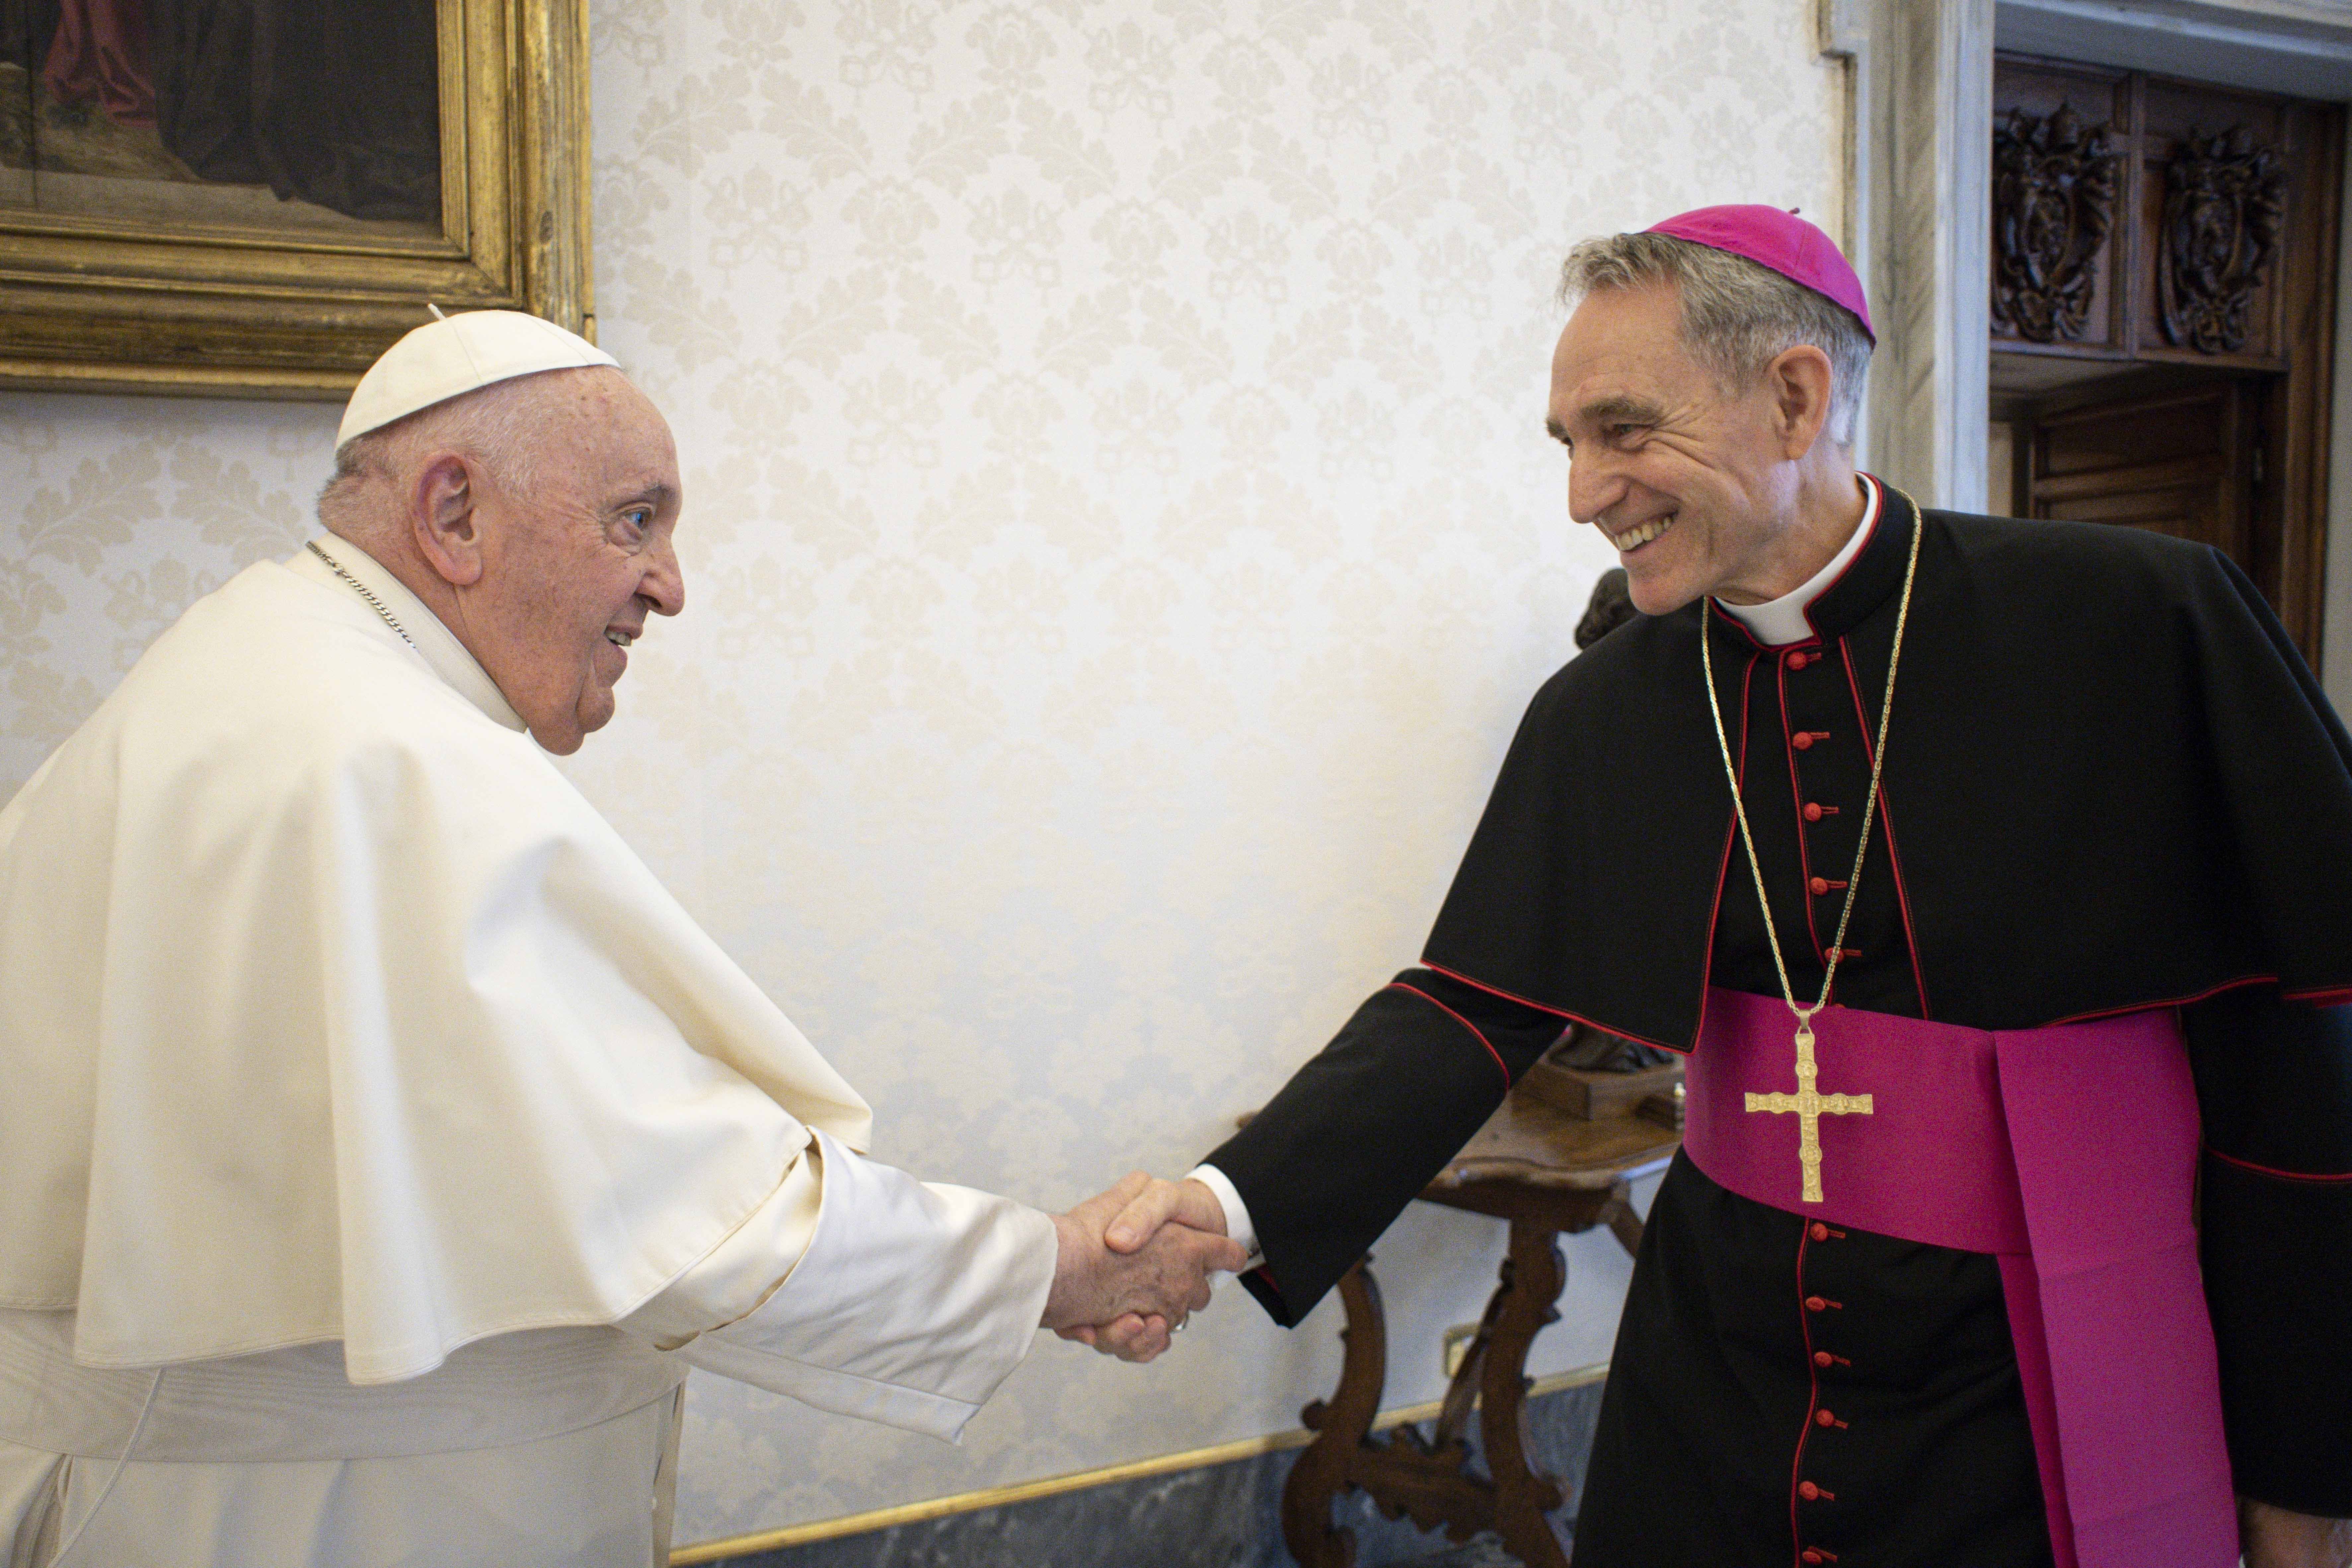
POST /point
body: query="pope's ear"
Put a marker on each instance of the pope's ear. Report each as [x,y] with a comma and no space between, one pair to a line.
[441,515]
[1798,380]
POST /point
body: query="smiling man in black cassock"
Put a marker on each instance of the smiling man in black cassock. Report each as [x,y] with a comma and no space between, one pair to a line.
[1996,877]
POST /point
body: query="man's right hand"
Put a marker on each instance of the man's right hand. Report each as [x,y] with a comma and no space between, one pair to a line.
[1126,1301]
[1148,1209]
[1187,1203]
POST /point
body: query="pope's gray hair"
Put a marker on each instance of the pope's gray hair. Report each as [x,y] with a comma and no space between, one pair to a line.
[501,428]
[1738,316]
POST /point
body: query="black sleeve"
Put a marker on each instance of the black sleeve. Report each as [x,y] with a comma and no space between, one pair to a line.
[1362,1128]
[2274,1083]
[2284,770]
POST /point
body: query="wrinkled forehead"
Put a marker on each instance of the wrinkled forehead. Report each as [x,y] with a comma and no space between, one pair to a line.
[1622,345]
[649,456]
[602,422]
[1624,328]
[599,400]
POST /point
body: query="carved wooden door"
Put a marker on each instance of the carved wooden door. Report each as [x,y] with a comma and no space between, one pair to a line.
[2186,461]
[2164,312]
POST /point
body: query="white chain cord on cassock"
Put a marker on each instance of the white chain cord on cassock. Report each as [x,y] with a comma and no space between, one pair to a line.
[360,589]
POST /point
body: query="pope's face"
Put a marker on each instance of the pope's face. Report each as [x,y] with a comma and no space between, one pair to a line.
[1687,479]
[572,570]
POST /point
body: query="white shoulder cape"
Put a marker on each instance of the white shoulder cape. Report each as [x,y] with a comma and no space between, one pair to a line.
[329,1010]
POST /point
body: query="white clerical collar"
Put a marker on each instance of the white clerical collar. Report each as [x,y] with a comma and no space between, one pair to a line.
[436,642]
[1781,620]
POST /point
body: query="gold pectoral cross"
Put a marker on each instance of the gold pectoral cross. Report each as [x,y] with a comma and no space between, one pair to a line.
[1810,1105]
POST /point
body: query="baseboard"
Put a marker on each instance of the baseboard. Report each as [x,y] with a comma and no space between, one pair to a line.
[1077,1480]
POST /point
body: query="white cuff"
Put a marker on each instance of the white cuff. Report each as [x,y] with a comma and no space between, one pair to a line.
[912,1303]
[1237,1219]
[734,1277]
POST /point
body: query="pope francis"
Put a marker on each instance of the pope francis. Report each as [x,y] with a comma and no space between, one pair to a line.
[383,1141]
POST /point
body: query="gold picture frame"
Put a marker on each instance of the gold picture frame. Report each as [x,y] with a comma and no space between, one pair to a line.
[93,302]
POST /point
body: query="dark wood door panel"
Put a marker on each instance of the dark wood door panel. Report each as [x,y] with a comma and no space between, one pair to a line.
[2181,462]
[2164,276]
[2104,439]
[2184,512]
[2058,274]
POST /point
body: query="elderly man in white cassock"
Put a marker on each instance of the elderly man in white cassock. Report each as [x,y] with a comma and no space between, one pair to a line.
[383,1142]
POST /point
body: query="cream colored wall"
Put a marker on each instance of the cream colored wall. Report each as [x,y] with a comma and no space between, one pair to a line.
[1121,537]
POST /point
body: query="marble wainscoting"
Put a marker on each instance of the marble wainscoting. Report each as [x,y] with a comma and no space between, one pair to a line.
[1224,1515]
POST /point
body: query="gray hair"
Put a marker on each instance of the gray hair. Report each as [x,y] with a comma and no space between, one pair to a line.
[499,426]
[1738,316]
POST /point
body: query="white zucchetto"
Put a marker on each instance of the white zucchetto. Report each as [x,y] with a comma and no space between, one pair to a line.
[457,354]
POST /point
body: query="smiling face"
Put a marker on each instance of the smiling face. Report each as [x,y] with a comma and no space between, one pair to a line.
[1692,482]
[570,572]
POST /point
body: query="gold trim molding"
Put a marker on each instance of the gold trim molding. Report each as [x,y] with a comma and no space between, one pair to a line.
[107,305]
[1078,1481]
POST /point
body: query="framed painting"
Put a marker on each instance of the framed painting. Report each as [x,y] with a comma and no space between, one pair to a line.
[255,198]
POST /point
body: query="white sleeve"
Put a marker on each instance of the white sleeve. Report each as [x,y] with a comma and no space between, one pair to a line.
[910,1303]
[1237,1214]
[731,1280]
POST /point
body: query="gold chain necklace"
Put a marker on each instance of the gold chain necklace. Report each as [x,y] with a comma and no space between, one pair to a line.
[1808,1104]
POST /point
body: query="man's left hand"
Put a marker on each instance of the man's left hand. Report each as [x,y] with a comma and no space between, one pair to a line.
[1127,1301]
[2275,1537]
[1150,1206]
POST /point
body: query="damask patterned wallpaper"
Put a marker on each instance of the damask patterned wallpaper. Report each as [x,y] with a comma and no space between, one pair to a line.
[1120,535]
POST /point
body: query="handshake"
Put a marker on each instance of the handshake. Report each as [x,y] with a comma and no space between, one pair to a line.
[1134,1262]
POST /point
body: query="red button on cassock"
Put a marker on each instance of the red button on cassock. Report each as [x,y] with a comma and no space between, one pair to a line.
[1807,1490]
[1820,885]
[1815,1304]
[1812,811]
[1819,1231]
[1822,1358]
[1824,1419]
[1811,1556]
[1802,739]
[1799,660]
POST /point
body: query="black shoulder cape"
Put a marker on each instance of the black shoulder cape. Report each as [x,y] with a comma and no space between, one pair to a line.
[2114,782]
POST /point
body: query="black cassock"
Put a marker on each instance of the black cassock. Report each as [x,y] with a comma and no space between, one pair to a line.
[2111,784]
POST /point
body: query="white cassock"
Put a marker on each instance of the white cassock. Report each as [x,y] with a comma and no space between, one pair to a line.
[379,1142]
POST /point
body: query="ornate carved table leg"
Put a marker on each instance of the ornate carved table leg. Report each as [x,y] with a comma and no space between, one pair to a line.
[1532,1277]
[1623,1224]
[1425,1479]
[1340,1426]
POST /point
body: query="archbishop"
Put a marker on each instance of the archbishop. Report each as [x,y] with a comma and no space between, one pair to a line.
[1993,877]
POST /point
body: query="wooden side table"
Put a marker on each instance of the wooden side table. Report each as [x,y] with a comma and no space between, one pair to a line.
[1547,1173]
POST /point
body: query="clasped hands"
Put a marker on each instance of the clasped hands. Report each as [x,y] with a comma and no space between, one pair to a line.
[1134,1262]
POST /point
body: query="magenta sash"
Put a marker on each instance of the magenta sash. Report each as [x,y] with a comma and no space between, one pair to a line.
[2068,1152]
